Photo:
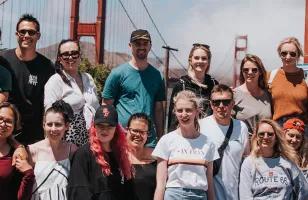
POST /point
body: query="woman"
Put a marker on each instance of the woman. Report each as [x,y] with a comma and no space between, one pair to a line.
[15,181]
[294,130]
[75,88]
[184,156]
[140,156]
[197,81]
[287,85]
[50,156]
[269,171]
[101,169]
[252,100]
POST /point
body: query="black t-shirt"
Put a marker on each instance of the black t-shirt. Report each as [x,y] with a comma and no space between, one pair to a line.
[86,180]
[145,180]
[29,78]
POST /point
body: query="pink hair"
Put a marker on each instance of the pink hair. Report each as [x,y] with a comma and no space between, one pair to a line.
[119,147]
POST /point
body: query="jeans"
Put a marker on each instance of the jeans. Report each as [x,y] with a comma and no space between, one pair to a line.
[178,193]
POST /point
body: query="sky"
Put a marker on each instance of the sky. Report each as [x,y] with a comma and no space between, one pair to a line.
[181,23]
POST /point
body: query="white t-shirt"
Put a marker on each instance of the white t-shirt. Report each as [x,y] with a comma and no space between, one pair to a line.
[227,180]
[188,157]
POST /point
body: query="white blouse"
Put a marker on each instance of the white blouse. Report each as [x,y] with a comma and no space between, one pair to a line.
[86,101]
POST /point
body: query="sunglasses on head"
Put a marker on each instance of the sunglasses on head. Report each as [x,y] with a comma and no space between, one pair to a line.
[253,70]
[201,45]
[30,32]
[66,55]
[224,102]
[262,134]
[285,53]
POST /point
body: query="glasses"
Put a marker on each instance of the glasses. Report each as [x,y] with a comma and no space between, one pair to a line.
[30,32]
[224,102]
[73,54]
[262,134]
[137,131]
[6,122]
[253,70]
[201,45]
[285,53]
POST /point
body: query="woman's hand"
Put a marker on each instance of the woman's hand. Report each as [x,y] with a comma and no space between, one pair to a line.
[22,165]
[20,152]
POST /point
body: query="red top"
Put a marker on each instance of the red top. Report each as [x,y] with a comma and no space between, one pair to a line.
[13,184]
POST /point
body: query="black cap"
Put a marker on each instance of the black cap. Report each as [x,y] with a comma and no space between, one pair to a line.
[106,114]
[140,34]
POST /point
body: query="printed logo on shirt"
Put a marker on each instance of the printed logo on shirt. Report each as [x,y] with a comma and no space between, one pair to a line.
[271,179]
[32,79]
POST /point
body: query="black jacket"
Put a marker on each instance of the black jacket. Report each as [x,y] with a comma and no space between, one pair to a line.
[186,83]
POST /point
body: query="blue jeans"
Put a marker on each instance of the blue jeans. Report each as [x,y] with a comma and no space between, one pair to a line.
[177,193]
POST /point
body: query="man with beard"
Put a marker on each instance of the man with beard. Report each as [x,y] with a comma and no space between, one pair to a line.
[216,127]
[30,71]
[137,86]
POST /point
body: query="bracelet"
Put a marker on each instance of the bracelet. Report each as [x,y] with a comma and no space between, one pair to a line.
[20,146]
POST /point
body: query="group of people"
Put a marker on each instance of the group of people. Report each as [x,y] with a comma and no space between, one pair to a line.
[58,141]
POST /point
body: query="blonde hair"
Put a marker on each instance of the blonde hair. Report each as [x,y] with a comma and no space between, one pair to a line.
[303,154]
[208,53]
[281,147]
[191,97]
[292,40]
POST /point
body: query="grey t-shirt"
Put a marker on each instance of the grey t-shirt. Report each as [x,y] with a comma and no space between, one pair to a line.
[271,178]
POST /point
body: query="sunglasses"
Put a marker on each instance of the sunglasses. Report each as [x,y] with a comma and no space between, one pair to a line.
[217,102]
[253,70]
[30,32]
[137,131]
[285,53]
[201,45]
[262,134]
[73,54]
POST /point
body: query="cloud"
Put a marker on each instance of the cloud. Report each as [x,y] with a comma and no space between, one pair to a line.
[218,22]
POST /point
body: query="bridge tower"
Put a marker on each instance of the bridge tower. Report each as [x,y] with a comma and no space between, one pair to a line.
[240,49]
[96,29]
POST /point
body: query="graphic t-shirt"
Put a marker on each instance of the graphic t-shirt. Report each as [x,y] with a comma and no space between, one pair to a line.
[271,178]
[187,159]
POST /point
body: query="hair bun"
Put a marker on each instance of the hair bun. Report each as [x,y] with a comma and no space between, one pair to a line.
[65,108]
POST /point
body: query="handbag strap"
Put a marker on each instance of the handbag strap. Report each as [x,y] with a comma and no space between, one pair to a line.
[227,138]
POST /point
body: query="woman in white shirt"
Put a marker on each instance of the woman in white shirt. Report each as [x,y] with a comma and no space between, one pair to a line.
[75,88]
[185,157]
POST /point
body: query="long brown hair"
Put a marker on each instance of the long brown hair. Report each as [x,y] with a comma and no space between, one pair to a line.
[281,147]
[257,61]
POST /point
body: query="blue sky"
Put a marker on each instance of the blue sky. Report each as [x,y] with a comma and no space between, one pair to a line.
[181,22]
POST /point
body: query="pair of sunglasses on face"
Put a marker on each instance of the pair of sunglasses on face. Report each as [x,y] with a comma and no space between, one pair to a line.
[253,70]
[23,32]
[262,134]
[291,53]
[218,102]
[73,54]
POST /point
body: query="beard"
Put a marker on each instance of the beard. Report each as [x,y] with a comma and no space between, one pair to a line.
[141,54]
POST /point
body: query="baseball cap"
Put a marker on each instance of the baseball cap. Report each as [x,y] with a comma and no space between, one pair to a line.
[140,34]
[106,114]
[294,123]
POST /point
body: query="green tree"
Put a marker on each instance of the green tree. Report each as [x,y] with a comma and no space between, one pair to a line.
[99,72]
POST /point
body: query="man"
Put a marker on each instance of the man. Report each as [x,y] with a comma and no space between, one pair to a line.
[30,71]
[5,84]
[215,127]
[137,86]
